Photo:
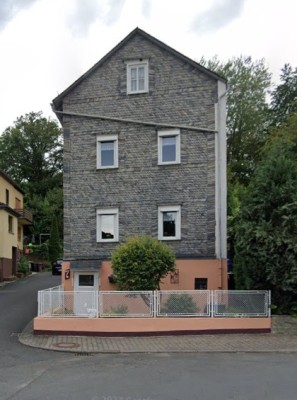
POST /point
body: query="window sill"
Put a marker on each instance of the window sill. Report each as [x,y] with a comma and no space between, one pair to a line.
[169,163]
[140,92]
[109,167]
[169,238]
[108,241]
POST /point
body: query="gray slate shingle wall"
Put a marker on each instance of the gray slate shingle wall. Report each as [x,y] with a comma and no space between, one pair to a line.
[178,94]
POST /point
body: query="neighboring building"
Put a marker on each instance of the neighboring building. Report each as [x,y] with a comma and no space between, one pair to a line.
[145,153]
[13,217]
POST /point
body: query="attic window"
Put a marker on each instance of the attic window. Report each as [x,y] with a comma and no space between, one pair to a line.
[137,76]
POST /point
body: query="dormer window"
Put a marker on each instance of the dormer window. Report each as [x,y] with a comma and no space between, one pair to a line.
[137,76]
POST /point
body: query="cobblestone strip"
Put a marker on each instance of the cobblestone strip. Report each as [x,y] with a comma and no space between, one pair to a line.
[202,343]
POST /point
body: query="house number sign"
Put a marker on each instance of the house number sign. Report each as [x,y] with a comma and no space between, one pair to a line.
[67,274]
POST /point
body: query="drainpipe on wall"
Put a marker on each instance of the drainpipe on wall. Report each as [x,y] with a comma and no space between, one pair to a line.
[221,179]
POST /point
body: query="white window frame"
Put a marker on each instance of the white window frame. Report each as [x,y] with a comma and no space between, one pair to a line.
[137,64]
[108,211]
[166,133]
[161,210]
[107,138]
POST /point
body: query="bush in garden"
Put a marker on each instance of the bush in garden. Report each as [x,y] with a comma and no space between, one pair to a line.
[141,262]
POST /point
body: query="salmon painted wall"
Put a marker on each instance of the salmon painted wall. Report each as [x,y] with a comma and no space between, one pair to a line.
[214,270]
[67,283]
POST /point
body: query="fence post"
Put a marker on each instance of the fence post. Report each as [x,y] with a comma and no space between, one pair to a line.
[38,303]
[212,303]
[155,301]
[97,303]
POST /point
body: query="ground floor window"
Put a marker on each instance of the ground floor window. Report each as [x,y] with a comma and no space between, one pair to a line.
[200,283]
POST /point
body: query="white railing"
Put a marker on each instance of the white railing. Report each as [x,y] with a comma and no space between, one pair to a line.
[55,302]
[126,304]
[50,299]
[185,303]
[247,303]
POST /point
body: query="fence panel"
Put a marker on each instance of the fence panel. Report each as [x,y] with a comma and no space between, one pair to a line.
[241,303]
[68,304]
[183,303]
[50,300]
[55,302]
[126,304]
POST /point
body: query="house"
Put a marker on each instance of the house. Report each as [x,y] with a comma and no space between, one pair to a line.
[144,153]
[13,218]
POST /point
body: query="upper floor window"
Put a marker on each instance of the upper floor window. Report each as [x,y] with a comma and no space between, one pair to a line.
[137,77]
[107,151]
[10,224]
[7,197]
[169,146]
[169,226]
[108,225]
[18,204]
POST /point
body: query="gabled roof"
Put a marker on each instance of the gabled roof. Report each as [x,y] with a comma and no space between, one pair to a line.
[57,102]
[11,181]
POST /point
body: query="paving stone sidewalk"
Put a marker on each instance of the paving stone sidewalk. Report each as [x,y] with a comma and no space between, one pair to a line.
[282,339]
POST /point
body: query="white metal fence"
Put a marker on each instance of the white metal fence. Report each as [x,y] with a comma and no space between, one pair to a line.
[56,302]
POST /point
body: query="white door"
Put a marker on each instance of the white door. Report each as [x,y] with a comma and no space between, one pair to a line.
[86,286]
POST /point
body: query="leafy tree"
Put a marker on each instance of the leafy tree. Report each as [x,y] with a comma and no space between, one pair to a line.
[31,153]
[284,96]
[54,245]
[236,193]
[266,229]
[247,112]
[141,262]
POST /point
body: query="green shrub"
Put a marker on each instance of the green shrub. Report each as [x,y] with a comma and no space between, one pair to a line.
[40,251]
[120,309]
[23,265]
[179,303]
[141,262]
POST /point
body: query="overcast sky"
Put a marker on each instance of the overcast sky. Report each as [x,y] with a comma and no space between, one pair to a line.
[47,44]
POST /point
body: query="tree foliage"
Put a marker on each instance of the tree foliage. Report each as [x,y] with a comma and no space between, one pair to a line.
[141,262]
[247,112]
[54,244]
[266,229]
[31,153]
[284,96]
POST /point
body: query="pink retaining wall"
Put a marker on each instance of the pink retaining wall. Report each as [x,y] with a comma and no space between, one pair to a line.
[149,326]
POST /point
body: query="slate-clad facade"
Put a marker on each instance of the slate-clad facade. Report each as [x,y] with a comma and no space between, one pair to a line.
[182,97]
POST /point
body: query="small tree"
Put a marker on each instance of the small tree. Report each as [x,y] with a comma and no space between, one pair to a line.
[141,262]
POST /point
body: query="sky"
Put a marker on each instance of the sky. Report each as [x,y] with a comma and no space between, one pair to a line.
[45,45]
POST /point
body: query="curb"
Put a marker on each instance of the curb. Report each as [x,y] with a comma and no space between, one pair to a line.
[89,345]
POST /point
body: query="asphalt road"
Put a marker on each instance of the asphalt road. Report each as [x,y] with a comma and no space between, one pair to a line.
[32,374]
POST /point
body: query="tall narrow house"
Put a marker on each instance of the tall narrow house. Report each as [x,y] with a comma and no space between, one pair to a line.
[145,153]
[13,218]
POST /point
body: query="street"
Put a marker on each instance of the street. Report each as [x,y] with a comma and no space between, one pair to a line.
[30,374]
